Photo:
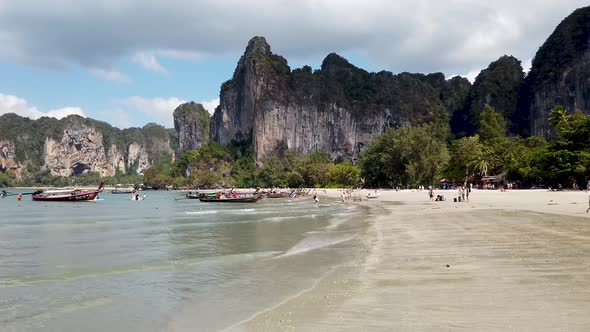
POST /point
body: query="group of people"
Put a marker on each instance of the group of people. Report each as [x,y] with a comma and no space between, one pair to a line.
[135,196]
[463,192]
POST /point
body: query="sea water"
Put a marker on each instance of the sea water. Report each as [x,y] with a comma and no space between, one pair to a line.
[165,263]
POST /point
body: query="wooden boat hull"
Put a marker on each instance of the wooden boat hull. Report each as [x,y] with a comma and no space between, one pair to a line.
[119,192]
[278,195]
[231,200]
[88,196]
[67,195]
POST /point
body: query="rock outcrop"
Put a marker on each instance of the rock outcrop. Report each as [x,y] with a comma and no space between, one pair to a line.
[74,146]
[191,122]
[8,159]
[559,73]
[78,152]
[338,109]
[499,86]
[138,159]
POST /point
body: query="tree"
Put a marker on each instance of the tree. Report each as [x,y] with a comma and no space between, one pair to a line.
[408,156]
[344,175]
[491,124]
[558,116]
[465,154]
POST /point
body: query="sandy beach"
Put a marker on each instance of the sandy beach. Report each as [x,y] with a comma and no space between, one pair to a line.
[504,261]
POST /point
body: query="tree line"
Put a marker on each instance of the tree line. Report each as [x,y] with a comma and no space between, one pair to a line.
[406,157]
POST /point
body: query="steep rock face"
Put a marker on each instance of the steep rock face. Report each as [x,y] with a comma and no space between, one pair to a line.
[191,122]
[499,86]
[75,145]
[8,158]
[454,94]
[559,73]
[116,159]
[138,158]
[338,109]
[80,151]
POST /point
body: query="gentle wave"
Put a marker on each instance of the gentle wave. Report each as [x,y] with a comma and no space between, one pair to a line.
[281,218]
[316,242]
[168,265]
[201,212]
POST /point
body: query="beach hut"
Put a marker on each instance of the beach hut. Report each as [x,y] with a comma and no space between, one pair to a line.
[494,181]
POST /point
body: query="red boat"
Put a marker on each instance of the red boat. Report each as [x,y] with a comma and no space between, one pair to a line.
[64,195]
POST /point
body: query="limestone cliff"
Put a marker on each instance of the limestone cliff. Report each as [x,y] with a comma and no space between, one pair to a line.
[338,109]
[559,73]
[191,122]
[499,86]
[8,159]
[76,145]
[79,151]
[138,158]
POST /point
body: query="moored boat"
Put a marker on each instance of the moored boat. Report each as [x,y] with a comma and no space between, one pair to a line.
[239,199]
[67,195]
[122,191]
[278,195]
[197,195]
[191,195]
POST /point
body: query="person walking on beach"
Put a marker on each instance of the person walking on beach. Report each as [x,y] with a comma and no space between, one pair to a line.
[431,193]
[588,209]
[343,196]
[467,191]
[315,198]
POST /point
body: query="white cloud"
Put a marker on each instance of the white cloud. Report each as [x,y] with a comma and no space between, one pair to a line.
[149,62]
[182,54]
[117,117]
[19,106]
[210,105]
[452,36]
[472,74]
[111,75]
[63,112]
[157,110]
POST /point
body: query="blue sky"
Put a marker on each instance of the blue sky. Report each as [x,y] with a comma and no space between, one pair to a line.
[128,62]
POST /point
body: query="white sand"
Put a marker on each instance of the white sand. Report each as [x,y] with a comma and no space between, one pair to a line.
[517,261]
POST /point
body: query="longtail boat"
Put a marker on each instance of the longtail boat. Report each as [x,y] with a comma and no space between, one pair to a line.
[68,195]
[278,195]
[122,191]
[239,199]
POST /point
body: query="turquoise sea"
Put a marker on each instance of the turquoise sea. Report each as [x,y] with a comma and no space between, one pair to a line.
[163,264]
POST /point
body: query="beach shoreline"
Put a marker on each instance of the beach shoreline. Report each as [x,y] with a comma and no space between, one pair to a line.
[516,260]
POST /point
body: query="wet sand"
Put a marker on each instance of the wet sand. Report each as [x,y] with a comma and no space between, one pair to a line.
[517,261]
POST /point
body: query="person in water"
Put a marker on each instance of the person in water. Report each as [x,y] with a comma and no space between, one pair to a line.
[315,198]
[19,197]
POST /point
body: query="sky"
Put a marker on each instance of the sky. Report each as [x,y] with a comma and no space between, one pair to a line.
[131,62]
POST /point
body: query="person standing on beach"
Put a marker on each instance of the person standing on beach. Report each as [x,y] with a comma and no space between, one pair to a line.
[588,209]
[343,196]
[431,194]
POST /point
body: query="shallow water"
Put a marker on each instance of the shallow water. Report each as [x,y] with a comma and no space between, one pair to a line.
[165,263]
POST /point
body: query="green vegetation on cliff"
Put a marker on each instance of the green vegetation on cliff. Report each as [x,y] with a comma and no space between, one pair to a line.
[29,136]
